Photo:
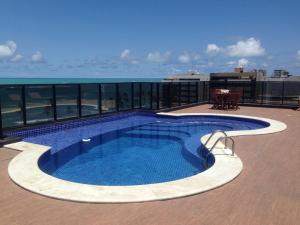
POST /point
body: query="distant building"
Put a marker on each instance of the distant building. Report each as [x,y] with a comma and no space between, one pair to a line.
[281,74]
[289,78]
[239,70]
[239,74]
[260,74]
[187,77]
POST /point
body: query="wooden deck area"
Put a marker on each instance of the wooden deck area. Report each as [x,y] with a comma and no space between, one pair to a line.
[266,193]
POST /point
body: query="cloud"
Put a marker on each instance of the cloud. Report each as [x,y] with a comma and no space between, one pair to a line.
[134,62]
[298,55]
[243,62]
[213,49]
[231,63]
[265,64]
[158,57]
[37,57]
[16,58]
[8,49]
[125,54]
[184,58]
[196,57]
[208,64]
[248,48]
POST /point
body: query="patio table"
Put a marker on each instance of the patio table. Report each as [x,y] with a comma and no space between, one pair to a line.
[227,100]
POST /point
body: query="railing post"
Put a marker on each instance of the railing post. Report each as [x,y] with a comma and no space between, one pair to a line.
[197,91]
[151,97]
[243,96]
[169,96]
[54,102]
[140,97]
[99,99]
[179,93]
[117,97]
[262,91]
[226,83]
[157,95]
[209,90]
[1,128]
[79,100]
[24,105]
[282,93]
[253,91]
[189,92]
[132,95]
[204,96]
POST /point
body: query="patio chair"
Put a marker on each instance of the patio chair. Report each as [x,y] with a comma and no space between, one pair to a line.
[233,100]
[216,98]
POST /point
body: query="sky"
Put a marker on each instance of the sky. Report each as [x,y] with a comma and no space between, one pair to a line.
[146,38]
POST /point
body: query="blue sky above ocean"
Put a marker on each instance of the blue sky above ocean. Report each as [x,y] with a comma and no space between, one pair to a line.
[146,39]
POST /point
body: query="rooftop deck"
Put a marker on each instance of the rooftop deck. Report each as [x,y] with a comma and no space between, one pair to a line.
[266,192]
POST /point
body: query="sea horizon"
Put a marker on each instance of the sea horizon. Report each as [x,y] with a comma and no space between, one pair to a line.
[75,80]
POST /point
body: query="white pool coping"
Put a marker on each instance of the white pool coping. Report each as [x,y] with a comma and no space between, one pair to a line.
[24,171]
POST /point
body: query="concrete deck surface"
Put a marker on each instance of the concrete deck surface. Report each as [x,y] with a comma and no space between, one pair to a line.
[267,191]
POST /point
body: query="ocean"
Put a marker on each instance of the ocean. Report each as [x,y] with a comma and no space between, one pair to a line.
[74,80]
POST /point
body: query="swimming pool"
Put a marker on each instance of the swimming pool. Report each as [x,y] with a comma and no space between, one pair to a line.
[137,149]
[130,157]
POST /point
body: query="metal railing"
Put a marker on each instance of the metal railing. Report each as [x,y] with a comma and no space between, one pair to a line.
[26,105]
[265,93]
[1,130]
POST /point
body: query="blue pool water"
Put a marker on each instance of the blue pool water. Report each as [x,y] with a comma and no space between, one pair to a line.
[131,149]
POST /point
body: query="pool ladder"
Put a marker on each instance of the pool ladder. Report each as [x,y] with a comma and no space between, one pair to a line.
[225,137]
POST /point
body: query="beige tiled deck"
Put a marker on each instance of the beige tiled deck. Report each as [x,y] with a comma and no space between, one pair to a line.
[266,192]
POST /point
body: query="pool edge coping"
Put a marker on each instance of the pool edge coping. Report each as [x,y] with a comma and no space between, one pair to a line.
[25,172]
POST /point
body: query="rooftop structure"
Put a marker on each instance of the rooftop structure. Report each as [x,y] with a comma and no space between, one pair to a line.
[289,78]
[281,74]
[239,74]
[191,76]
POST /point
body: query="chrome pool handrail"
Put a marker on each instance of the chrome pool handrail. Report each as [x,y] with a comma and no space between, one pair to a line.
[216,142]
[212,134]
